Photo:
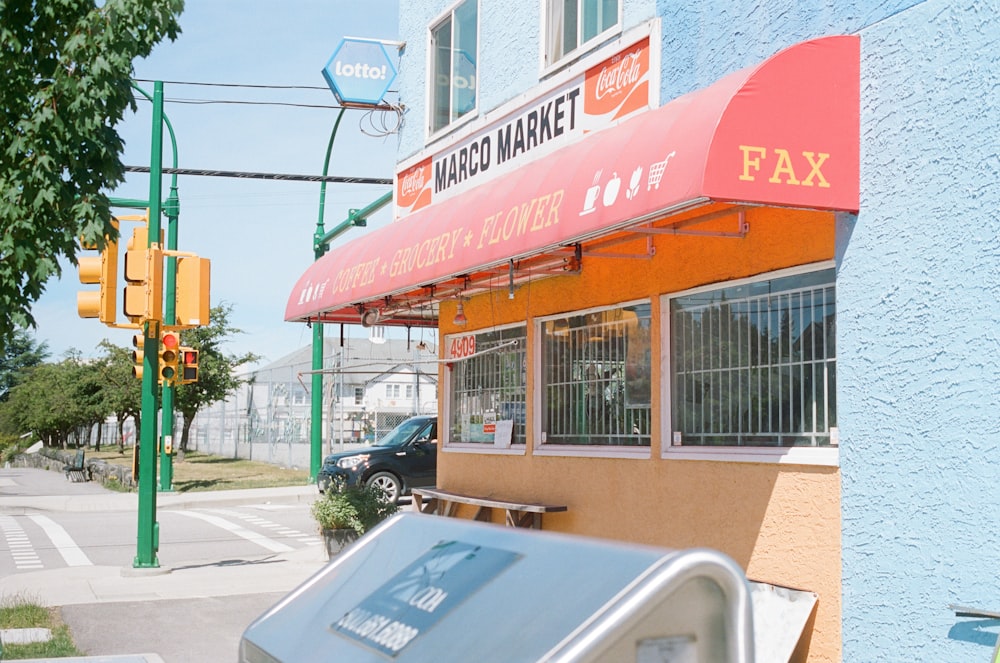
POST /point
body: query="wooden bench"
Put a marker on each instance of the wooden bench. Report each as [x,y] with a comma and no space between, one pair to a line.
[519,514]
[77,469]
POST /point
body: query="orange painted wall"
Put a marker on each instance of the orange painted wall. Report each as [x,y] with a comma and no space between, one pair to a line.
[779,522]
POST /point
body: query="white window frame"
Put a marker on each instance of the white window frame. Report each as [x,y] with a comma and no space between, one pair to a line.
[549,24]
[432,132]
[540,446]
[822,456]
[444,427]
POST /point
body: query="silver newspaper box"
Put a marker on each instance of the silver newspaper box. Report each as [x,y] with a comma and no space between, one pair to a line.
[428,588]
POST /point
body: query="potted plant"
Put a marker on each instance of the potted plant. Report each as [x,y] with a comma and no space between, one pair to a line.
[344,513]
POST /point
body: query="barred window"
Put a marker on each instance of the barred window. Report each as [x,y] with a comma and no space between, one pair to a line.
[488,384]
[754,364]
[596,377]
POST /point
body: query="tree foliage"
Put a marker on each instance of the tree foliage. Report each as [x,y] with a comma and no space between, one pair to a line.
[67,82]
[217,376]
[19,355]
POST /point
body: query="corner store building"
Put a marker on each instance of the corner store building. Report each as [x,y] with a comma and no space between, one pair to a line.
[897,472]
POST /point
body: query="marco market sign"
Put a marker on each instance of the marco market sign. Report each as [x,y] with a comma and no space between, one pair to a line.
[614,89]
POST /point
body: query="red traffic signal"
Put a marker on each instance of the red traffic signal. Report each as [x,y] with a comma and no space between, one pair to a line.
[170,344]
[189,365]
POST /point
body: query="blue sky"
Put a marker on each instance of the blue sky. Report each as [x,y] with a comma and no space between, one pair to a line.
[257,233]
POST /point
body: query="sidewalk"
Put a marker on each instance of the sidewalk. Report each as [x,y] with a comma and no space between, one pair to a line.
[172,603]
[270,572]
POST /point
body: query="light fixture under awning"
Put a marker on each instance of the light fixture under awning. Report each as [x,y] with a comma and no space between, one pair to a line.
[783,133]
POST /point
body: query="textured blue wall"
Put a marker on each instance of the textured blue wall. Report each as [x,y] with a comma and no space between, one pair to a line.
[918,291]
[919,357]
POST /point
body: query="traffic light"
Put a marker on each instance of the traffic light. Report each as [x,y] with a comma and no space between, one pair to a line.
[170,345]
[192,289]
[102,269]
[138,342]
[143,296]
[189,365]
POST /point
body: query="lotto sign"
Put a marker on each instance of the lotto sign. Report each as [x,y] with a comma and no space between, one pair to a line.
[359,71]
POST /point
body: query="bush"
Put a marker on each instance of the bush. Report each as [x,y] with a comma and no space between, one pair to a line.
[358,508]
[11,445]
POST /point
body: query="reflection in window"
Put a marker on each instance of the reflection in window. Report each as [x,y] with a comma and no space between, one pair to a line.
[755,364]
[454,53]
[596,377]
[488,386]
[573,24]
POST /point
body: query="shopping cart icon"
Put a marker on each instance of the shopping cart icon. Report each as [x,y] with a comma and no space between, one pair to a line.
[656,172]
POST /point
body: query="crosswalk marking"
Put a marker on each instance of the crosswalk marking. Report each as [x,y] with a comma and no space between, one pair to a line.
[63,542]
[259,539]
[20,548]
[279,529]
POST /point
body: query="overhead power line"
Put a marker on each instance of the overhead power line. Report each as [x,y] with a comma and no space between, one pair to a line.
[337,179]
[247,85]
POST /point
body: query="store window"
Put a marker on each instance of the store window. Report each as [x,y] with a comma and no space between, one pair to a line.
[573,26]
[488,386]
[596,377]
[754,363]
[454,53]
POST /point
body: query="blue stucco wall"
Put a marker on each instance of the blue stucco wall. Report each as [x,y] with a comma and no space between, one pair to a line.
[918,288]
[919,357]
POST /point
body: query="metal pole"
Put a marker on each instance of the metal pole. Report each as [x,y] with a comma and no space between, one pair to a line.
[319,248]
[148,535]
[172,210]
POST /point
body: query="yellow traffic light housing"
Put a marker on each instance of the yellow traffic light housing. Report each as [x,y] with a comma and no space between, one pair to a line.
[143,295]
[138,356]
[103,270]
[170,345]
[192,291]
[189,365]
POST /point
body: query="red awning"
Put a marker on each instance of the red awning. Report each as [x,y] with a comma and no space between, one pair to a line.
[783,133]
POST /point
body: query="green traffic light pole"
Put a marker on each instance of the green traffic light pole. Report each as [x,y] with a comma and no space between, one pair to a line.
[171,208]
[321,242]
[148,534]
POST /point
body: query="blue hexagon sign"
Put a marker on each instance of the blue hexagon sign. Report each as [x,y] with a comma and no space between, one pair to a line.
[359,71]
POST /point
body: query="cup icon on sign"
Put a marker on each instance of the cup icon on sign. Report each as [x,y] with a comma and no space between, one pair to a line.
[590,201]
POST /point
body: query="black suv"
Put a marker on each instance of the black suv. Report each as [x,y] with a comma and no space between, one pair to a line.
[404,458]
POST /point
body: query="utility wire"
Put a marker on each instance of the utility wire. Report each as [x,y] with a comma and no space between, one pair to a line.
[247,85]
[338,179]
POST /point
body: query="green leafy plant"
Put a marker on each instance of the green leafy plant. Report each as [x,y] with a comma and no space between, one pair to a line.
[357,508]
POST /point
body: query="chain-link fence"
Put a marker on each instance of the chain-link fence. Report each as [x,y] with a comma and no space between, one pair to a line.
[368,389]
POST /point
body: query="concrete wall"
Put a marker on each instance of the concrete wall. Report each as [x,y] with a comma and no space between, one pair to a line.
[919,356]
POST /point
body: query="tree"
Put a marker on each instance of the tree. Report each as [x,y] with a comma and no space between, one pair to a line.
[67,82]
[19,355]
[217,377]
[122,390]
[56,399]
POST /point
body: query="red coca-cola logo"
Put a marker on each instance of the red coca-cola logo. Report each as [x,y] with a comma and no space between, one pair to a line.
[411,182]
[620,77]
[617,85]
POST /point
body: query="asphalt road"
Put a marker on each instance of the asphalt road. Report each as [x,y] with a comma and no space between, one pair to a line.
[225,558]
[191,630]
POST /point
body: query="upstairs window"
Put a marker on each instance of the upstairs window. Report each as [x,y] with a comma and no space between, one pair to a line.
[573,25]
[454,52]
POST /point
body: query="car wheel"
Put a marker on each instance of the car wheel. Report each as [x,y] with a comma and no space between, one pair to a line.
[389,484]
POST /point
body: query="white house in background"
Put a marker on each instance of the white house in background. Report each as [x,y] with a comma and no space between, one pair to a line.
[368,388]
